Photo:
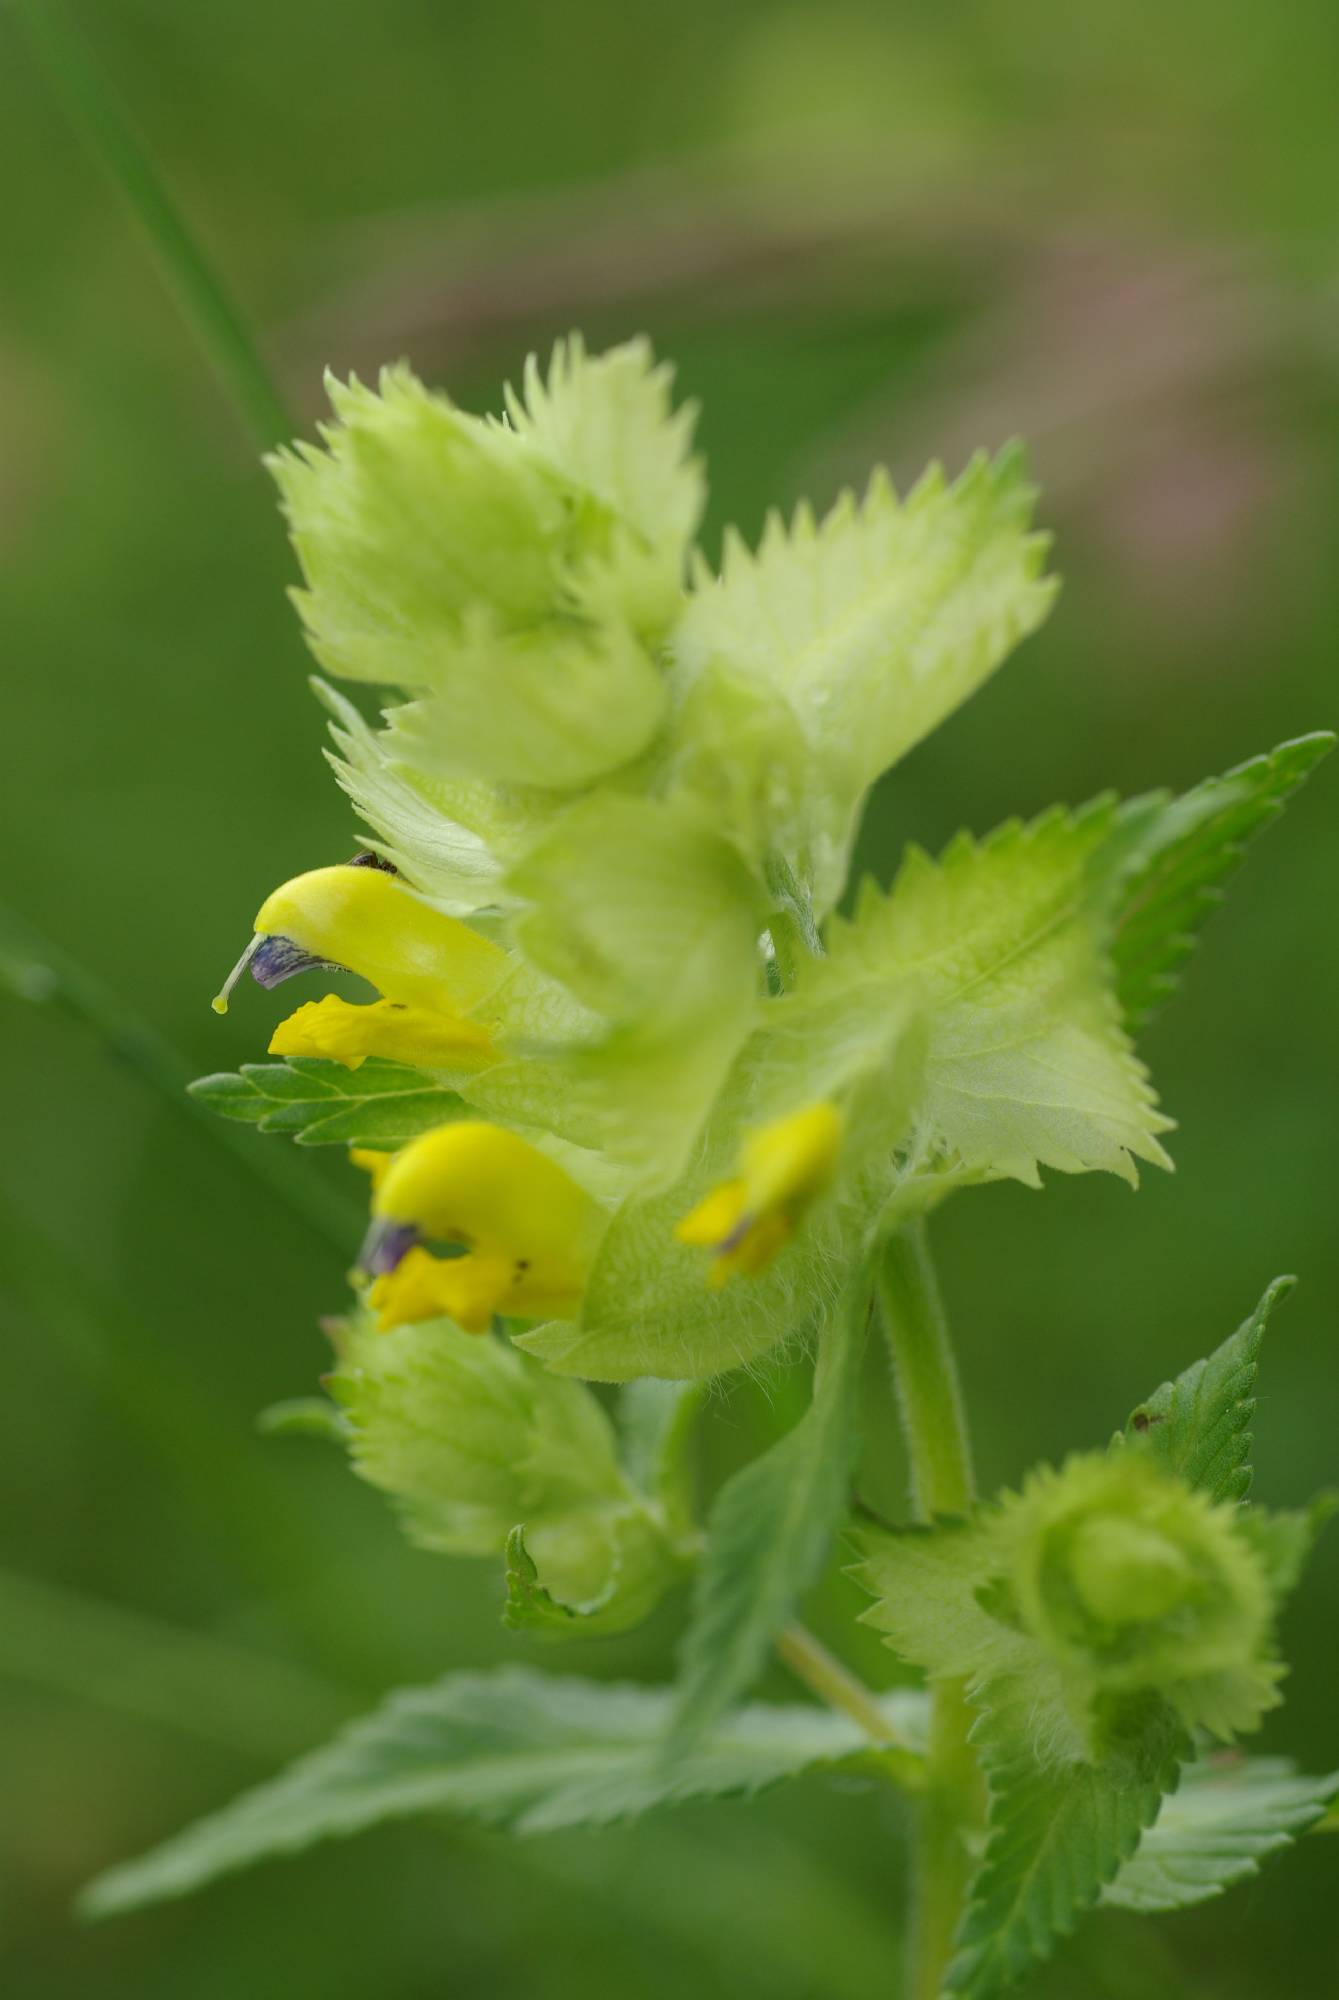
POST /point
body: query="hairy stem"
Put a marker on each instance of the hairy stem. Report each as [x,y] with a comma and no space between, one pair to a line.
[96,113]
[925,1376]
[811,1662]
[929,1398]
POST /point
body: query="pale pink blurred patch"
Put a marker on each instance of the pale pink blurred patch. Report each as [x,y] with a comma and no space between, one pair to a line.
[1155,386]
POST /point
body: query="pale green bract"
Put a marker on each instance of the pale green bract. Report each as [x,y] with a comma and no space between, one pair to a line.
[855,636]
[1003,942]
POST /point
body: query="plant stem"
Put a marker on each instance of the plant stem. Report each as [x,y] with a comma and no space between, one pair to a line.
[97,114]
[925,1376]
[811,1662]
[929,1398]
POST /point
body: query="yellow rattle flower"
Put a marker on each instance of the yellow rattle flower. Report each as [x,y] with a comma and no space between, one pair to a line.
[525,1229]
[432,971]
[783,1166]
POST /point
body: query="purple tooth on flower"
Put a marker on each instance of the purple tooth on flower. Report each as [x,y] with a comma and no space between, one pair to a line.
[278,958]
[385,1245]
[270,960]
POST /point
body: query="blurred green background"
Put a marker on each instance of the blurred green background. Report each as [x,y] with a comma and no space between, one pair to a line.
[864,231]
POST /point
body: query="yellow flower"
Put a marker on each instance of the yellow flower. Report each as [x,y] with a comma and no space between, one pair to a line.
[783,1166]
[350,1034]
[527,1231]
[432,971]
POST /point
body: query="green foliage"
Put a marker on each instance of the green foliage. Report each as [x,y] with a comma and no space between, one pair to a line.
[644,799]
[656,1424]
[486,1454]
[651,920]
[861,633]
[1062,1821]
[1226,1816]
[1097,1619]
[769,1532]
[647,1309]
[404,810]
[1284,1538]
[1196,1426]
[303,1416]
[523,1750]
[319,1103]
[606,427]
[1175,854]
[1027,1064]
[641,1565]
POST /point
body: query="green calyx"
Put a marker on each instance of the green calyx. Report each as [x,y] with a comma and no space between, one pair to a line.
[485,1453]
[1129,1579]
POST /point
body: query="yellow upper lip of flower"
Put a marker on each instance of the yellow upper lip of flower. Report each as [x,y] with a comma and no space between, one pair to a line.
[371,923]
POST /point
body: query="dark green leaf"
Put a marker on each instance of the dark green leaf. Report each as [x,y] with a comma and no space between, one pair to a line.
[1196,1426]
[1060,1824]
[379,1104]
[769,1531]
[1170,858]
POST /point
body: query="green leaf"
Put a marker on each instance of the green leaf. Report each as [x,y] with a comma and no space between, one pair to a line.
[448,861]
[1060,1825]
[515,1748]
[319,1103]
[553,705]
[769,1532]
[1003,942]
[863,631]
[443,556]
[933,1590]
[1227,1815]
[605,424]
[1196,1426]
[1173,855]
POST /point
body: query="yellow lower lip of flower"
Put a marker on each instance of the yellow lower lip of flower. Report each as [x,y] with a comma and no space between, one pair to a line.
[469,1290]
[784,1166]
[349,1034]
